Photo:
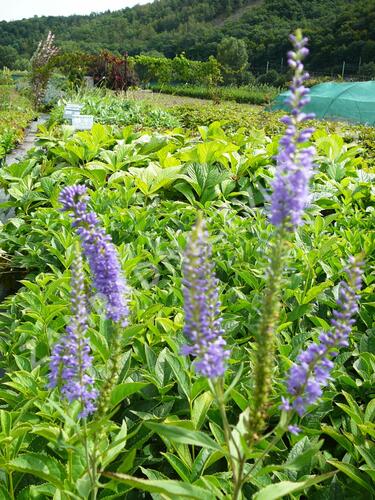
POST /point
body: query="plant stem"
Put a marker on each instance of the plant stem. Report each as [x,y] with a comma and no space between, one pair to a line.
[237,469]
[10,474]
[70,466]
[270,446]
[104,400]
[91,468]
[11,486]
[264,357]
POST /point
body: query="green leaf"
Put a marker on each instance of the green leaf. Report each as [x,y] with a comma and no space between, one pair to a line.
[116,446]
[178,466]
[204,459]
[314,291]
[200,408]
[352,413]
[298,312]
[186,190]
[84,485]
[368,454]
[240,400]
[301,455]
[354,474]
[370,411]
[50,432]
[369,470]
[337,436]
[172,489]
[6,422]
[128,461]
[184,436]
[122,391]
[42,466]
[4,494]
[279,490]
[96,175]
[180,374]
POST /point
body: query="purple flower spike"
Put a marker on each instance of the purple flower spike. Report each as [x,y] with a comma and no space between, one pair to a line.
[101,254]
[294,164]
[71,360]
[202,307]
[311,373]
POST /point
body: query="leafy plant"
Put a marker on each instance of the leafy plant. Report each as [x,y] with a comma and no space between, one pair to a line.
[163,434]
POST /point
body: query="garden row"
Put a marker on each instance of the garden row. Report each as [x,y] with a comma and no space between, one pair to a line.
[16,112]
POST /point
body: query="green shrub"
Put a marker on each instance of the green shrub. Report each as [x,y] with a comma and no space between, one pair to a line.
[272,77]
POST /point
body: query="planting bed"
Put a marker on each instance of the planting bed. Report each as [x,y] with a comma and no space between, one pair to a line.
[148,173]
[16,112]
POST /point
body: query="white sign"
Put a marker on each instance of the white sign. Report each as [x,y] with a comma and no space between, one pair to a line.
[82,122]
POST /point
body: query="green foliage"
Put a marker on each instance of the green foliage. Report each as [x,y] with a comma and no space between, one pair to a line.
[165,71]
[16,112]
[74,66]
[233,56]
[5,79]
[8,56]
[196,27]
[272,78]
[163,434]
[368,70]
[118,110]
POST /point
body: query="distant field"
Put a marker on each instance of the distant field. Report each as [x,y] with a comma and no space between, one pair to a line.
[169,100]
[249,94]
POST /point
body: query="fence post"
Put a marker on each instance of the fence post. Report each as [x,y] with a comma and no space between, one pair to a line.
[268,65]
[359,65]
[281,65]
[343,70]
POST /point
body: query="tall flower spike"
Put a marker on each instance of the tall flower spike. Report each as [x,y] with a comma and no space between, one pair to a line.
[311,373]
[202,306]
[294,164]
[101,254]
[71,361]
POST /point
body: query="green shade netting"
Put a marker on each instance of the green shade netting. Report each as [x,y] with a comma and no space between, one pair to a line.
[354,101]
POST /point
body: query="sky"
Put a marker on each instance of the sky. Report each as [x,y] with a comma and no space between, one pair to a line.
[20,9]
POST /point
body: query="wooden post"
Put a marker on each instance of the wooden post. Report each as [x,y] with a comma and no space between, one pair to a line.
[343,70]
[268,65]
[126,83]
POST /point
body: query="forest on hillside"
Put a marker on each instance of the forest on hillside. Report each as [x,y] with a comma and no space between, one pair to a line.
[339,30]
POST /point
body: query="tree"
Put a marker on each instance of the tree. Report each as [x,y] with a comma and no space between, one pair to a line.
[8,56]
[232,54]
[368,70]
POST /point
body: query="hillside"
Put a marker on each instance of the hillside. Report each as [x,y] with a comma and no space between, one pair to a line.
[339,30]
